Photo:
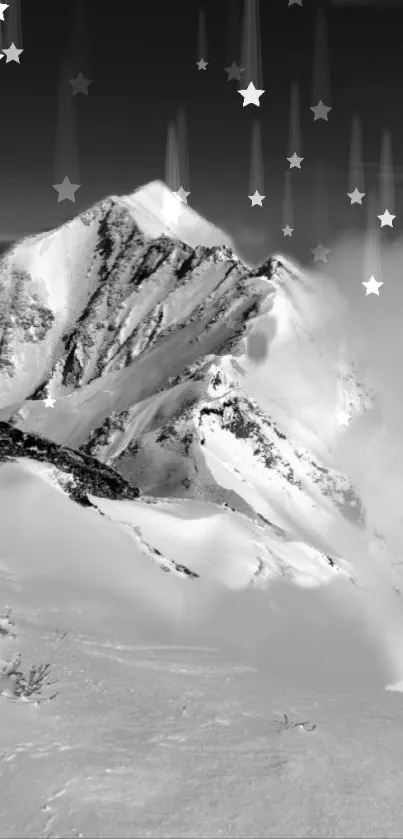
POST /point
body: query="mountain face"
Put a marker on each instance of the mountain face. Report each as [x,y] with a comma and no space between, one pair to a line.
[96,296]
[127,364]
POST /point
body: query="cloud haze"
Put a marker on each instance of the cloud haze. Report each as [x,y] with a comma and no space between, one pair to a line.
[370,450]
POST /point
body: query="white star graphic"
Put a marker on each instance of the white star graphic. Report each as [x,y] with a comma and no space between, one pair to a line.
[13,53]
[3,7]
[202,64]
[372,286]
[386,219]
[49,402]
[234,72]
[287,230]
[320,111]
[320,253]
[343,418]
[295,161]
[80,84]
[251,95]
[256,199]
[66,190]
[356,196]
[182,195]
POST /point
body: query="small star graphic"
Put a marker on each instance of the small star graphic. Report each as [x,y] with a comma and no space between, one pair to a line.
[49,402]
[295,161]
[386,219]
[257,199]
[13,53]
[287,230]
[343,418]
[3,7]
[356,196]
[320,111]
[202,64]
[320,253]
[251,95]
[80,84]
[295,2]
[234,72]
[182,195]
[66,190]
[372,286]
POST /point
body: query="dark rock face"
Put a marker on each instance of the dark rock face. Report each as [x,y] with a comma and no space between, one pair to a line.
[80,474]
[24,314]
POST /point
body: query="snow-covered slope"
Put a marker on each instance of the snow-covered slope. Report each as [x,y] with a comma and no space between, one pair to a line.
[266,719]
[212,541]
[179,488]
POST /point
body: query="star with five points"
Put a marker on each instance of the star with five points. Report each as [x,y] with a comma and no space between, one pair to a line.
[182,195]
[66,190]
[386,219]
[13,53]
[3,7]
[256,199]
[202,64]
[80,84]
[251,95]
[287,230]
[320,253]
[295,161]
[356,196]
[49,402]
[372,286]
[343,418]
[234,72]
[320,111]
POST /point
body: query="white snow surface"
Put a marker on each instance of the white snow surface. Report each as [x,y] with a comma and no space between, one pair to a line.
[181,711]
[220,544]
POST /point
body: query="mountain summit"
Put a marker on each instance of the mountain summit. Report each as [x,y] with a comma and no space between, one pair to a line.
[158,212]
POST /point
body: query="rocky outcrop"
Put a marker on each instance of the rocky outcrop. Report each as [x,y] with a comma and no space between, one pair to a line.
[76,473]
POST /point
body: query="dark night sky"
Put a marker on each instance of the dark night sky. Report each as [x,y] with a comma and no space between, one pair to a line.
[142,58]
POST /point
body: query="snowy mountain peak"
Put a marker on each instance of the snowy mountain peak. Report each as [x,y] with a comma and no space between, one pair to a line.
[159,211]
[89,298]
